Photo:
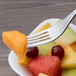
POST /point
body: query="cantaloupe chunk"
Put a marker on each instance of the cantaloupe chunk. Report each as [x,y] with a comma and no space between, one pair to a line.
[17,42]
[59,43]
[73,46]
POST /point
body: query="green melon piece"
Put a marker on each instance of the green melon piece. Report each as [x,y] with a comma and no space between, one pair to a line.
[68,37]
[46,48]
[70,72]
[41,74]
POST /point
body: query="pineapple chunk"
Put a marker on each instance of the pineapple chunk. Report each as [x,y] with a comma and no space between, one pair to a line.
[47,25]
[69,60]
[25,61]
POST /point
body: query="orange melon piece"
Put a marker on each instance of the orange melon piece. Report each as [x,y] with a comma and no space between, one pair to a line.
[17,42]
[73,46]
[59,43]
[49,54]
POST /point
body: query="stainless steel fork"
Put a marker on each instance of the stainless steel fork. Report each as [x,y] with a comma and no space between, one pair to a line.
[51,33]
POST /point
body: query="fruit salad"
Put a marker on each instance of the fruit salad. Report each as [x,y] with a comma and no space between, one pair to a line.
[57,58]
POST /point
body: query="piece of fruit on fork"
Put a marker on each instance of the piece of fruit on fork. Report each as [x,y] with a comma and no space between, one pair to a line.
[17,42]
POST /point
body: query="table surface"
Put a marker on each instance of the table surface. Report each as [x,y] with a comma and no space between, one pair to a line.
[24,16]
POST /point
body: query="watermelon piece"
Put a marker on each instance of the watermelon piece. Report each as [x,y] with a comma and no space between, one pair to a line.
[49,65]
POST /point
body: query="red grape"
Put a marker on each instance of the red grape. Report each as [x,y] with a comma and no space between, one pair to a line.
[58,51]
[32,52]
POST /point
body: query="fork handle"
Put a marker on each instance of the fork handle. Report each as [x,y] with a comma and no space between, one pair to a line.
[66,21]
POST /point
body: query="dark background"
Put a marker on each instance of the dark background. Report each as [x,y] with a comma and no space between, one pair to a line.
[24,16]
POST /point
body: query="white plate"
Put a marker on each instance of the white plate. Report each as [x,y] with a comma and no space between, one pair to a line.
[12,58]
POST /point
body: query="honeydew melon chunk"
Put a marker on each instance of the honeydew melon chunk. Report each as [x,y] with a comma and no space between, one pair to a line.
[69,72]
[68,37]
[41,74]
[46,48]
